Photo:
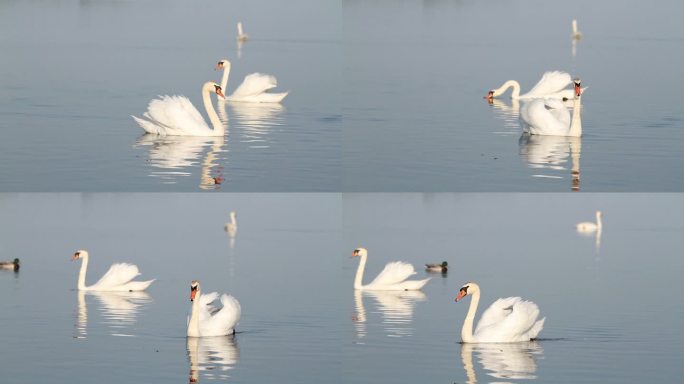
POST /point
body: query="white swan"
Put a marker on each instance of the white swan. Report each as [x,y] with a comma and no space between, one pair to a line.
[119,277]
[551,117]
[551,85]
[241,36]
[507,320]
[176,116]
[231,226]
[576,34]
[205,319]
[253,88]
[588,226]
[392,278]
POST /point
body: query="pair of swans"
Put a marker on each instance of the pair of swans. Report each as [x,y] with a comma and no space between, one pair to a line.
[208,320]
[552,85]
[177,116]
[507,320]
[393,278]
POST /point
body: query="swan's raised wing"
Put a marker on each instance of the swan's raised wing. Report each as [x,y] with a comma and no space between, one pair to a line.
[117,275]
[223,321]
[175,113]
[497,312]
[545,117]
[509,319]
[550,83]
[254,84]
[395,272]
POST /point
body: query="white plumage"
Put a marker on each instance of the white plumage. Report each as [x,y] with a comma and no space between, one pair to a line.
[392,278]
[119,277]
[207,319]
[510,319]
[254,88]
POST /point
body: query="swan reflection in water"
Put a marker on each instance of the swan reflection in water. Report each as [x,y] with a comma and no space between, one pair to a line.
[212,357]
[549,154]
[119,311]
[256,121]
[510,114]
[508,361]
[172,157]
[395,307]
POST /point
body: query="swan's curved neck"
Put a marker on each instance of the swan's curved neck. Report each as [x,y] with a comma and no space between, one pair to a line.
[467,330]
[82,274]
[209,106]
[224,78]
[359,272]
[510,83]
[576,124]
[193,323]
[598,221]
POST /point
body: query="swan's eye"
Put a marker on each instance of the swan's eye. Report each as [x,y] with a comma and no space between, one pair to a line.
[193,288]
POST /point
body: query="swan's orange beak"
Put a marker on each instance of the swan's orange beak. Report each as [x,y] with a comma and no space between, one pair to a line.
[578,89]
[193,293]
[218,66]
[355,253]
[490,97]
[75,256]
[220,92]
[461,294]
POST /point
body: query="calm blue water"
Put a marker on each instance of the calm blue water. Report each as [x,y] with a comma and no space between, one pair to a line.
[72,72]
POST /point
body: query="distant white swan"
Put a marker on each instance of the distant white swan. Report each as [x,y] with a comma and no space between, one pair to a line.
[507,320]
[119,277]
[588,226]
[205,319]
[576,34]
[551,85]
[241,36]
[392,278]
[551,116]
[231,226]
[176,116]
[253,88]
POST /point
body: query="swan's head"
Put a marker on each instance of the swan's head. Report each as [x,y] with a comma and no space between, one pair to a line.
[79,255]
[223,63]
[218,90]
[233,214]
[599,214]
[468,288]
[194,288]
[490,97]
[578,88]
[360,252]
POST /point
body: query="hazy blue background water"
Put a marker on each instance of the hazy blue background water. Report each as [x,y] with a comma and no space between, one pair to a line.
[416,72]
[283,267]
[72,72]
[613,312]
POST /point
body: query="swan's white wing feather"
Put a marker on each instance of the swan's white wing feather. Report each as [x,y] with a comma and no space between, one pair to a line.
[545,117]
[551,82]
[223,321]
[254,84]
[508,320]
[174,115]
[394,272]
[117,275]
